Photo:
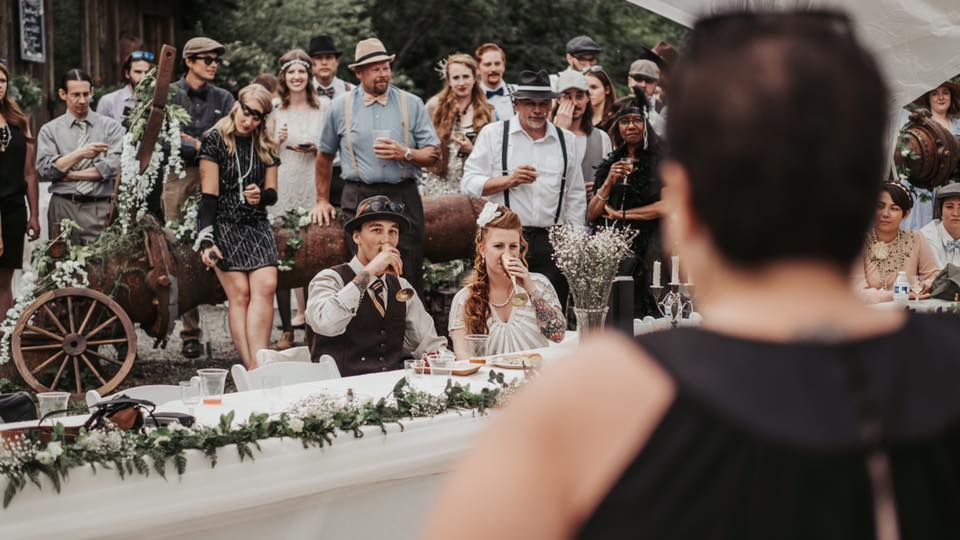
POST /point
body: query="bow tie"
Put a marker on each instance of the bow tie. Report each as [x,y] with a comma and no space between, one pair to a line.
[951,246]
[329,92]
[370,100]
[497,92]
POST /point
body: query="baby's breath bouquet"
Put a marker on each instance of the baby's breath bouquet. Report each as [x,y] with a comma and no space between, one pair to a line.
[589,262]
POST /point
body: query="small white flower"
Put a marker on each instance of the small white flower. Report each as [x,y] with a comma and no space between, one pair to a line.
[488,214]
[174,426]
[160,439]
[55,449]
[44,457]
[296,425]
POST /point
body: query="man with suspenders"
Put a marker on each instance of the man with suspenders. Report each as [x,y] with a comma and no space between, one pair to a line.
[529,165]
[384,137]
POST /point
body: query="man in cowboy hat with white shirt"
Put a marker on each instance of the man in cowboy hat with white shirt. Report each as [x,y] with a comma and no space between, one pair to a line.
[384,136]
[530,166]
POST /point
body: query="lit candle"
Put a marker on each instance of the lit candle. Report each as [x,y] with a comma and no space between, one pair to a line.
[656,274]
[675,270]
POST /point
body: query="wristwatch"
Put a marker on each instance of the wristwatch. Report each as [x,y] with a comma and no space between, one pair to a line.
[408,155]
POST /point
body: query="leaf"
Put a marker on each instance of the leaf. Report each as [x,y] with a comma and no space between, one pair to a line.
[226,420]
[180,462]
[9,492]
[51,473]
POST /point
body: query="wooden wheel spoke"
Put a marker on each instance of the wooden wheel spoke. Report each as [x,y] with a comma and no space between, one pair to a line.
[55,319]
[41,347]
[100,328]
[106,342]
[76,374]
[56,378]
[104,358]
[46,363]
[42,332]
[73,324]
[93,369]
[86,319]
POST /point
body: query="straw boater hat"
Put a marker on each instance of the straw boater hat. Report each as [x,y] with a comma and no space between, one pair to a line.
[370,51]
[942,193]
[377,207]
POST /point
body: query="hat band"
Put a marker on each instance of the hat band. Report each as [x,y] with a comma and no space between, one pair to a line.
[374,54]
[533,88]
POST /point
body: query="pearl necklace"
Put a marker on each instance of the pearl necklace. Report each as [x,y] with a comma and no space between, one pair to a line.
[505,302]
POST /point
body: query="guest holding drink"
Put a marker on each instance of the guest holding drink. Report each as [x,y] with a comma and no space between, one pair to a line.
[238,180]
[890,250]
[517,309]
[627,196]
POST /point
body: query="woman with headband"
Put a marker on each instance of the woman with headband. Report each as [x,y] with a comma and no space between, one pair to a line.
[296,126]
[238,180]
[891,250]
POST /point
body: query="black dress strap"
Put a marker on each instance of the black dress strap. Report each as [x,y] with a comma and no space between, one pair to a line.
[503,159]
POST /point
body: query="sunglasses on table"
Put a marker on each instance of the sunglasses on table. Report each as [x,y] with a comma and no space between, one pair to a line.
[380,206]
[143,55]
[250,111]
[208,59]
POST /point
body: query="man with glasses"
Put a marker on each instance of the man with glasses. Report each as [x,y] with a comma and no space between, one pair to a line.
[353,311]
[206,104]
[119,103]
[643,78]
[529,165]
[582,52]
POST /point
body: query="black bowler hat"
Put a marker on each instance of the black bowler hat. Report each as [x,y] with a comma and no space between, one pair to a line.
[320,45]
[533,85]
[378,207]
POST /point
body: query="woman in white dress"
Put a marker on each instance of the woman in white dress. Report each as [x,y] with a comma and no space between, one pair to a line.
[483,306]
[296,126]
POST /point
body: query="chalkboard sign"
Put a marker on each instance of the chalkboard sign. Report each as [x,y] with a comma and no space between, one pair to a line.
[31,31]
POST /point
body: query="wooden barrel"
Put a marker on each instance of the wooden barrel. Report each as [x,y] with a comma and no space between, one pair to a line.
[933,151]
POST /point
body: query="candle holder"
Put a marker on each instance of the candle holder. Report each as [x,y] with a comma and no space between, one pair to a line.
[675,303]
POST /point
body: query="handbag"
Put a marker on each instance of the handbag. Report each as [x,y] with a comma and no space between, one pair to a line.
[17,407]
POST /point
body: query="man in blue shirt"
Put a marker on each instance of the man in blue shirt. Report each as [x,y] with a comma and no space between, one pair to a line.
[384,136]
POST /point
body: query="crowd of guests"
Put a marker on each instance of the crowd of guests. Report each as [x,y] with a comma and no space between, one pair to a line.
[548,149]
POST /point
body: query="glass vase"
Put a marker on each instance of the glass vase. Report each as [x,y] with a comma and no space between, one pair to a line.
[589,320]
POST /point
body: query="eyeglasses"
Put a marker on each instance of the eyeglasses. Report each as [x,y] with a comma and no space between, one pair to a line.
[208,59]
[380,206]
[585,57]
[250,111]
[624,122]
[596,68]
[143,55]
[643,79]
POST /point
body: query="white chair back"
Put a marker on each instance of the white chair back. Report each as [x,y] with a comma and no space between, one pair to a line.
[290,372]
[157,393]
[293,354]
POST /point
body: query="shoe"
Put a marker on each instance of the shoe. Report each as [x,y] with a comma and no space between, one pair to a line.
[191,349]
[285,341]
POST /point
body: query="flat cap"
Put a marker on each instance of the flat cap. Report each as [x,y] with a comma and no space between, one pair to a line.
[645,68]
[200,45]
[583,45]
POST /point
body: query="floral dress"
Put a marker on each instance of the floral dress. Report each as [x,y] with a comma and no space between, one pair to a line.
[241,230]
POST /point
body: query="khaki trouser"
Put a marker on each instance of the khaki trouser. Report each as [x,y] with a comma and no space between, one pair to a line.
[175,192]
[89,215]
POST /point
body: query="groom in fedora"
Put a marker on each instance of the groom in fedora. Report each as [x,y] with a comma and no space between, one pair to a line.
[384,136]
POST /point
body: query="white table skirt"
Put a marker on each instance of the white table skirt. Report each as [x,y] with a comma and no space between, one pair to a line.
[373,487]
[927,305]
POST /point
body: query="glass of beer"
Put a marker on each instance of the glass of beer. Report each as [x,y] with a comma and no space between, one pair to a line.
[211,385]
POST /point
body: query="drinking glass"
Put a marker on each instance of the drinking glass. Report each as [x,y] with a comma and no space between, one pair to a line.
[190,394]
[441,362]
[412,369]
[917,286]
[476,348]
[272,386]
[211,384]
[52,401]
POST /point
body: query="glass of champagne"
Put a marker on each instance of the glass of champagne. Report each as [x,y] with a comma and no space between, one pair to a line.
[917,286]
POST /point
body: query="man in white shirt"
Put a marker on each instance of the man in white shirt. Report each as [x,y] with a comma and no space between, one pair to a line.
[492,62]
[943,233]
[353,311]
[326,60]
[529,165]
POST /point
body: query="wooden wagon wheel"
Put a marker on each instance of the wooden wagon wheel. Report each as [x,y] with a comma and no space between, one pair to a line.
[74,331]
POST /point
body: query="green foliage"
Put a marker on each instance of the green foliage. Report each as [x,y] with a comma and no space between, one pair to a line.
[27,92]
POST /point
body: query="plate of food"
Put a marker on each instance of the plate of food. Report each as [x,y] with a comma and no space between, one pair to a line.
[519,360]
[465,368]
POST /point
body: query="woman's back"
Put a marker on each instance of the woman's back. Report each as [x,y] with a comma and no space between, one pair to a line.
[763,440]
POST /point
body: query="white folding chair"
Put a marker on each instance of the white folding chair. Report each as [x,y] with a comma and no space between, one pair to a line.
[290,372]
[293,354]
[157,393]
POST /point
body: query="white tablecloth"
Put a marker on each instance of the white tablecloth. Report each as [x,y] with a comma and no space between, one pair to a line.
[373,487]
[927,305]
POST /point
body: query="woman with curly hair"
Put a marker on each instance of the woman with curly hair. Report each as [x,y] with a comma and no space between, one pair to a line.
[484,305]
[238,180]
[458,112]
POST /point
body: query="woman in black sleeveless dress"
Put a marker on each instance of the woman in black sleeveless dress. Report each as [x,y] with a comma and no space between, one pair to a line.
[797,412]
[238,180]
[18,178]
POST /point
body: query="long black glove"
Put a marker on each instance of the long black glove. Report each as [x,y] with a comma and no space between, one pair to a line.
[206,216]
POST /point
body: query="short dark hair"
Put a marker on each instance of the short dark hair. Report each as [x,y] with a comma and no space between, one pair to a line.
[773,111]
[74,74]
[899,195]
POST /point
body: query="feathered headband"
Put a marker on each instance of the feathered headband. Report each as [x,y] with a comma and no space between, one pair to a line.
[489,213]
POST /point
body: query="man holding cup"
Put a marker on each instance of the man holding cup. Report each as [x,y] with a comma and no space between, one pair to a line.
[384,136]
[530,166]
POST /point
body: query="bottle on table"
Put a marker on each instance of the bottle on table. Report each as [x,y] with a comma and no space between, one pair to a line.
[901,288]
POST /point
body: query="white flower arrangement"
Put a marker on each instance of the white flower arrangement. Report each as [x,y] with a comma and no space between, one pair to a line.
[589,262]
[489,213]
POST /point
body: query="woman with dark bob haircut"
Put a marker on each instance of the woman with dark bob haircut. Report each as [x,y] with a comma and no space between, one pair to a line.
[796,411]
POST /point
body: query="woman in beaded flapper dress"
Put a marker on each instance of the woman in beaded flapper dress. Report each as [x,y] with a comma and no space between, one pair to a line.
[296,126]
[890,250]
[238,180]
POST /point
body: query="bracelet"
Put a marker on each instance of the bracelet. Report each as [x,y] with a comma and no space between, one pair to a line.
[602,198]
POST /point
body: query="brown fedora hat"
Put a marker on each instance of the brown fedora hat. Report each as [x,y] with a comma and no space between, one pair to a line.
[370,51]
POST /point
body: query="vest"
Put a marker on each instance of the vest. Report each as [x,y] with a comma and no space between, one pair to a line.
[370,343]
[593,155]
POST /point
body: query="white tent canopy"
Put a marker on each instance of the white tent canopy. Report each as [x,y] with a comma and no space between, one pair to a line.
[916,41]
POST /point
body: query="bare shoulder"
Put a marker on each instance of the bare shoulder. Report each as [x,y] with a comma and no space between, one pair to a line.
[562,442]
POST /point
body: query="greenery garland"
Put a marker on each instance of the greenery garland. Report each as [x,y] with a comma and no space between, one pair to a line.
[315,421]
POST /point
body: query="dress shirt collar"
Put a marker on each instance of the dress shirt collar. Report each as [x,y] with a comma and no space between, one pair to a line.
[369,99]
[516,127]
[502,86]
[73,120]
[944,234]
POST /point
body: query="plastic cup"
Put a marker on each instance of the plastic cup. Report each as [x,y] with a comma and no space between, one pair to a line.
[211,385]
[413,369]
[381,134]
[476,348]
[52,401]
[441,362]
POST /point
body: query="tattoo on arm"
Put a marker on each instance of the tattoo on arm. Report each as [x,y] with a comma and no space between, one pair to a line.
[362,280]
[552,324]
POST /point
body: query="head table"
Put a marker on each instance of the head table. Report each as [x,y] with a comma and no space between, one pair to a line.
[377,486]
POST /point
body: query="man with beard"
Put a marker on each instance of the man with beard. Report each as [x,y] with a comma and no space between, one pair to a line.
[643,79]
[384,136]
[529,165]
[492,62]
[119,103]
[574,112]
[206,104]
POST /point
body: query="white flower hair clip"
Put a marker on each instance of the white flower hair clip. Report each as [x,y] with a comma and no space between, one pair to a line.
[489,213]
